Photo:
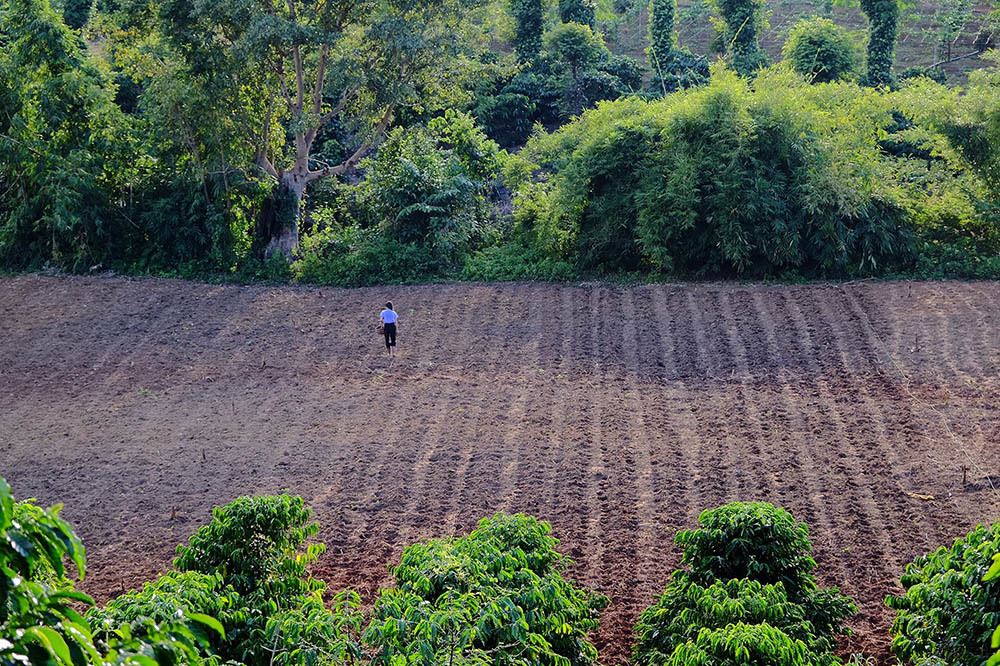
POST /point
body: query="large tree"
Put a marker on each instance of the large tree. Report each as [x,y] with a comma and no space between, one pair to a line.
[289,71]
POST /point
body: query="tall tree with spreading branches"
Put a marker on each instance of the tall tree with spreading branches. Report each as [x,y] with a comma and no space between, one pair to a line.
[290,70]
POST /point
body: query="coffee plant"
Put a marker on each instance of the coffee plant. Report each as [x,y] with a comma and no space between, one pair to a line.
[686,609]
[951,605]
[749,597]
[170,596]
[496,596]
[752,540]
[743,645]
[994,572]
[39,623]
[258,547]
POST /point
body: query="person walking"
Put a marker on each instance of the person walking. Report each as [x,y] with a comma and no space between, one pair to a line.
[388,318]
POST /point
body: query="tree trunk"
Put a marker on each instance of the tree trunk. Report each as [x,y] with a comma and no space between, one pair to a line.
[282,231]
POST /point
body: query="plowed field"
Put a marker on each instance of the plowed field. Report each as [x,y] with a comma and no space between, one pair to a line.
[617,414]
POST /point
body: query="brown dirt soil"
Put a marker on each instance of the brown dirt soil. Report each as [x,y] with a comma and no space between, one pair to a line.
[617,414]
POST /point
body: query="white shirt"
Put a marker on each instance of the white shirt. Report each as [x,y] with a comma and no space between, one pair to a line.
[389,316]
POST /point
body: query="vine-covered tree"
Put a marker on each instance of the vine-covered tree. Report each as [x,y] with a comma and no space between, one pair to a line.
[883,26]
[662,40]
[743,19]
[527,28]
[583,12]
[291,71]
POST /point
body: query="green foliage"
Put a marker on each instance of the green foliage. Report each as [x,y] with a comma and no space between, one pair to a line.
[495,597]
[820,50]
[197,598]
[514,261]
[76,13]
[528,20]
[257,546]
[753,540]
[883,28]
[686,70]
[741,21]
[38,622]
[749,597]
[686,609]
[583,12]
[935,74]
[743,645]
[722,179]
[356,257]
[576,45]
[948,610]
[993,573]
[662,37]
[64,149]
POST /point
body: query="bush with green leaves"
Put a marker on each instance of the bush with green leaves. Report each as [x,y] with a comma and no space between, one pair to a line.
[496,596]
[723,179]
[742,645]
[172,595]
[948,611]
[513,260]
[39,620]
[687,608]
[258,547]
[821,50]
[750,583]
[993,574]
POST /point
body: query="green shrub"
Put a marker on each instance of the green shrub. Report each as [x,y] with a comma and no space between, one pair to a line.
[821,50]
[355,257]
[722,179]
[257,546]
[39,620]
[992,574]
[496,596]
[743,645]
[686,608]
[171,596]
[948,611]
[513,261]
[685,70]
[749,597]
[753,540]
[757,541]
[935,74]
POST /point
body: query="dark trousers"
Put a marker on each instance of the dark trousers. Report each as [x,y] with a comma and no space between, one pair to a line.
[390,335]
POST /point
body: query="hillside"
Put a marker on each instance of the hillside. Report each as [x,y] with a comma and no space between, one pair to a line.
[916,46]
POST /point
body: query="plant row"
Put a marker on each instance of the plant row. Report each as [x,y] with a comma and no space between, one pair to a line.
[240,592]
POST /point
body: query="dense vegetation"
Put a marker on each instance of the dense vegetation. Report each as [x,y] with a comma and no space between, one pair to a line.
[241,593]
[357,143]
[749,590]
